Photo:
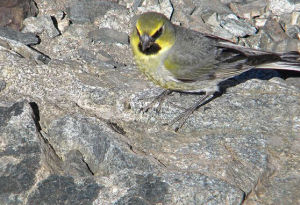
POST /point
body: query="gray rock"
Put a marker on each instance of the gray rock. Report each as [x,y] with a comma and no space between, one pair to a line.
[294,81]
[21,50]
[87,141]
[231,1]
[172,188]
[12,13]
[98,144]
[86,11]
[211,18]
[20,153]
[101,59]
[25,38]
[210,5]
[237,27]
[63,190]
[260,22]
[295,18]
[293,31]
[107,35]
[164,6]
[2,85]
[186,6]
[297,5]
[74,165]
[223,33]
[278,7]
[39,24]
[274,30]
[249,9]
[270,189]
[259,41]
[286,45]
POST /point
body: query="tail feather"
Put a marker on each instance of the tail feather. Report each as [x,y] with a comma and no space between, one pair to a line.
[288,61]
[292,56]
[266,59]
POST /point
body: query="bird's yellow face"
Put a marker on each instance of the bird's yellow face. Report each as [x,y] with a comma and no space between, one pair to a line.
[153,34]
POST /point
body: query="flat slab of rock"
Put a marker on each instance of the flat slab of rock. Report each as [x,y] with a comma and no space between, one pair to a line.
[25,38]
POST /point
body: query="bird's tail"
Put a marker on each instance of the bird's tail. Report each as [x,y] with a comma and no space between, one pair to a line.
[288,61]
[266,59]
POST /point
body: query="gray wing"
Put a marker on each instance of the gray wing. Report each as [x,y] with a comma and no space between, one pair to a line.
[196,56]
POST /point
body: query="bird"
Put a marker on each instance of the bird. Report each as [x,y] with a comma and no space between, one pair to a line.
[179,59]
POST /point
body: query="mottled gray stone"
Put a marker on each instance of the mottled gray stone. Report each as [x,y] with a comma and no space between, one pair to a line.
[63,190]
[25,38]
[97,143]
[13,12]
[297,5]
[100,59]
[172,188]
[286,45]
[260,40]
[231,1]
[164,6]
[249,9]
[237,27]
[150,188]
[21,50]
[74,165]
[294,81]
[274,30]
[295,18]
[20,153]
[39,24]
[279,7]
[213,5]
[91,144]
[293,31]
[211,18]
[2,85]
[107,35]
[87,10]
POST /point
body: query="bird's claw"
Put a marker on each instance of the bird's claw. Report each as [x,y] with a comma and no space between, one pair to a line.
[158,99]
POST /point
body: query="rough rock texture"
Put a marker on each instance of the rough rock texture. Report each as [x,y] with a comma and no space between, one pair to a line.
[13,12]
[39,24]
[24,38]
[20,152]
[72,130]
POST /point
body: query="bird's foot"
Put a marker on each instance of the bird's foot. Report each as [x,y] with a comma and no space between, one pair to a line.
[181,119]
[160,98]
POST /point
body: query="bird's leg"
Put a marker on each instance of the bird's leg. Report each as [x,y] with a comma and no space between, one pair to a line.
[160,98]
[184,116]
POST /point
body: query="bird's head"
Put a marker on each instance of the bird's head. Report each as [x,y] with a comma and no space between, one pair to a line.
[153,33]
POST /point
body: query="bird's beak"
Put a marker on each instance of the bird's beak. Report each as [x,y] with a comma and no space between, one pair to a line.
[146,41]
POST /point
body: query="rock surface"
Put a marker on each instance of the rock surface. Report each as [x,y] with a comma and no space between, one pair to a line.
[24,38]
[13,12]
[71,129]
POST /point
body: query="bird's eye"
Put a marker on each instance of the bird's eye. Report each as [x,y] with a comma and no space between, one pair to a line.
[158,33]
[137,30]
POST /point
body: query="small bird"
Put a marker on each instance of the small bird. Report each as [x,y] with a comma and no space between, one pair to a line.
[183,60]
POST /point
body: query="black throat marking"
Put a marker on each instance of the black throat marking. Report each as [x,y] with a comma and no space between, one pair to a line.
[153,49]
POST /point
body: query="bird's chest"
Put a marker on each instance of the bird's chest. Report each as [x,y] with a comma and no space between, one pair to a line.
[151,65]
[155,71]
